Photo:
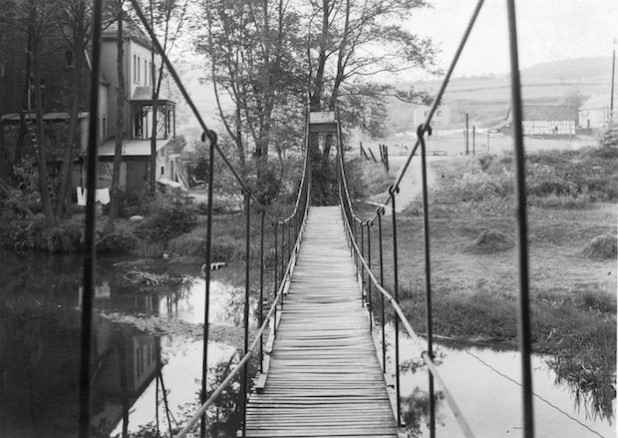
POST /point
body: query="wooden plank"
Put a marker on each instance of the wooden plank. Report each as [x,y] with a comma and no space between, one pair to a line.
[324,379]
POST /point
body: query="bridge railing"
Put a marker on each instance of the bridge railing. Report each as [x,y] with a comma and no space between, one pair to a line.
[359,235]
[287,235]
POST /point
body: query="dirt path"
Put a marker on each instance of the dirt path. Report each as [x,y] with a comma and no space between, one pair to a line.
[411,184]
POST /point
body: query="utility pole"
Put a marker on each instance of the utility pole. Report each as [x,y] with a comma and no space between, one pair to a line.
[473,139]
[467,136]
[611,93]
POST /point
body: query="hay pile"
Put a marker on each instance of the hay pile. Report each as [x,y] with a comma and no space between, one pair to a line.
[489,242]
[600,248]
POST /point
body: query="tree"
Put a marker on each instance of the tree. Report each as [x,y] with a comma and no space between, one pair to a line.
[348,45]
[73,23]
[167,19]
[39,16]
[120,103]
[252,63]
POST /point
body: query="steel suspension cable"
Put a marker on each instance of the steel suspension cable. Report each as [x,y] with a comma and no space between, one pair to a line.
[525,341]
[437,100]
[467,431]
[90,227]
[185,95]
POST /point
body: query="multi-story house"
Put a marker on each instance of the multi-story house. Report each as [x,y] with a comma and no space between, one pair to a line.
[55,63]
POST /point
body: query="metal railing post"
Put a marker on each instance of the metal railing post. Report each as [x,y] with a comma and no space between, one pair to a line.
[432,400]
[276,225]
[289,241]
[90,227]
[207,272]
[243,388]
[261,305]
[369,302]
[282,255]
[380,213]
[522,227]
[393,191]
[362,268]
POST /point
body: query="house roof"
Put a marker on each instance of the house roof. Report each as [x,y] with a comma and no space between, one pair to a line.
[16,117]
[130,29]
[549,112]
[144,94]
[131,148]
[596,102]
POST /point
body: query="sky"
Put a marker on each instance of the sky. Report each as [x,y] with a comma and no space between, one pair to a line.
[548,30]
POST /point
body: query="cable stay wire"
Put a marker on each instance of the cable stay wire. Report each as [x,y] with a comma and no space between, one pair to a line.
[500,373]
[434,106]
[211,135]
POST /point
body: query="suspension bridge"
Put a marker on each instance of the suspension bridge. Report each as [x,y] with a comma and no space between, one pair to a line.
[320,376]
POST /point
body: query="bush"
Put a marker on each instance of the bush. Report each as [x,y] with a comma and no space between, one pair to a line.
[166,223]
[601,248]
[66,237]
[115,243]
[132,204]
[268,186]
[609,138]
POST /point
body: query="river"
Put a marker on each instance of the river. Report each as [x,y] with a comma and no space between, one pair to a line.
[145,379]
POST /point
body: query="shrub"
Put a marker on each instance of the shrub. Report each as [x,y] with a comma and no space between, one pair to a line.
[601,248]
[132,204]
[115,243]
[490,241]
[268,186]
[609,138]
[167,223]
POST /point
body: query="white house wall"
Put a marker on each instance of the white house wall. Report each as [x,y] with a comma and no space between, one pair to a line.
[593,118]
[548,127]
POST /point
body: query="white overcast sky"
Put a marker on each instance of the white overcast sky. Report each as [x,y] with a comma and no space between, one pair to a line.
[549,30]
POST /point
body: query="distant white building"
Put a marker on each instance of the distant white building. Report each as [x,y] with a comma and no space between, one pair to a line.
[441,118]
[545,119]
[594,113]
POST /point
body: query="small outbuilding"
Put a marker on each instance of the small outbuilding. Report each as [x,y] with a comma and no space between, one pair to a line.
[549,119]
[594,113]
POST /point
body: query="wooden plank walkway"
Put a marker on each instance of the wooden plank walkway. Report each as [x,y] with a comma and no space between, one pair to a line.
[324,378]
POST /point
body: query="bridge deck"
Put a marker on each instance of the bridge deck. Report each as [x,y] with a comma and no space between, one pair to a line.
[324,378]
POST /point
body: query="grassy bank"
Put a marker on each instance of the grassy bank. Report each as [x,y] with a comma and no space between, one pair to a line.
[572,237]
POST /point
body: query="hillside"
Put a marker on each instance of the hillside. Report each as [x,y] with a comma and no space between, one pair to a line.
[487,98]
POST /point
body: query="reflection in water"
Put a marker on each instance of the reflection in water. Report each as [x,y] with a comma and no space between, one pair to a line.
[142,384]
[485,385]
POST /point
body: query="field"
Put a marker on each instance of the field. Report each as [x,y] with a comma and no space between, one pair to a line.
[572,238]
[487,98]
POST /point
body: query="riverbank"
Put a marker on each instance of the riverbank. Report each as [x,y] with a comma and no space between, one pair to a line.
[572,238]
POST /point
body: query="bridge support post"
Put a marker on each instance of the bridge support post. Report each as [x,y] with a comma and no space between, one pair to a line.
[393,191]
[380,213]
[522,226]
[432,399]
[245,372]
[369,302]
[276,279]
[261,305]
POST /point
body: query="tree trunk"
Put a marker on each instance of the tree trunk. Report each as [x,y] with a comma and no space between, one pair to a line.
[42,156]
[155,97]
[63,205]
[115,189]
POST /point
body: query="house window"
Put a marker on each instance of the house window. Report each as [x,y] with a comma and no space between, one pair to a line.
[32,95]
[134,68]
[70,58]
[139,69]
[145,72]
[162,170]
